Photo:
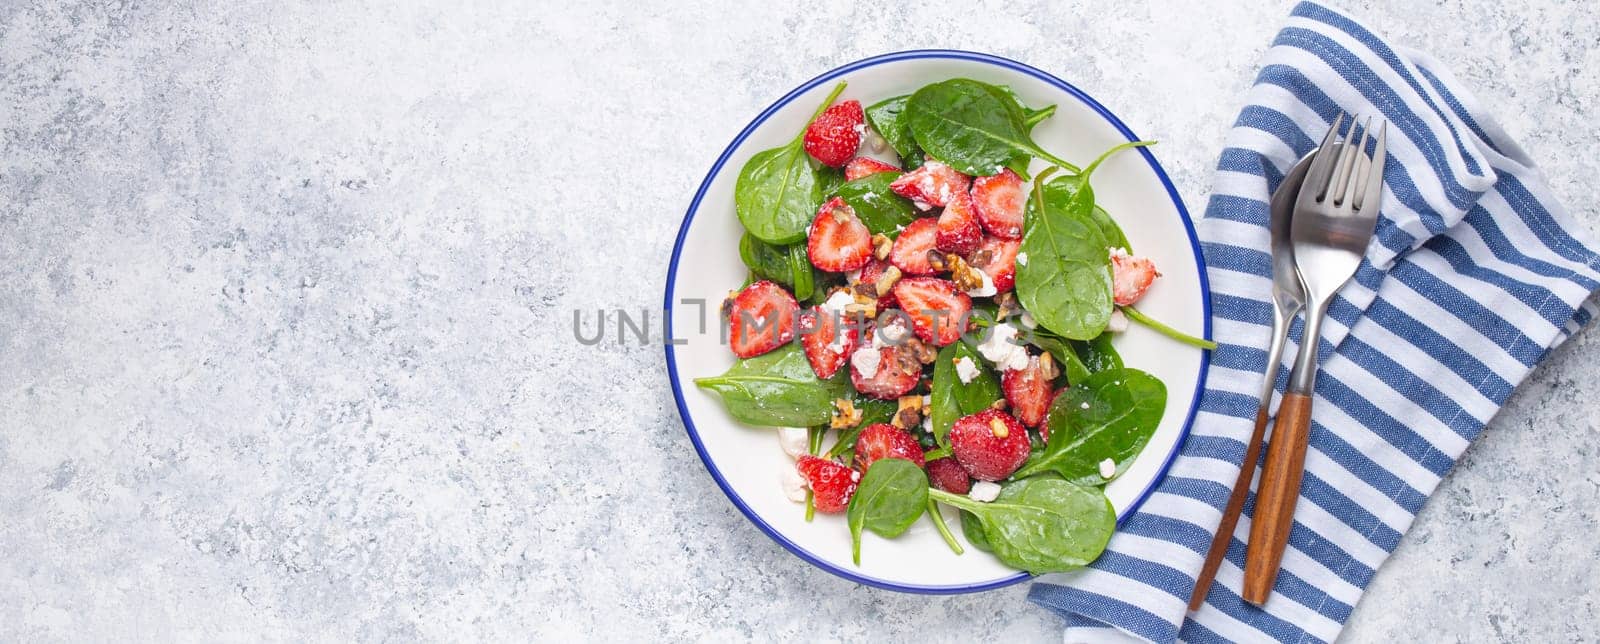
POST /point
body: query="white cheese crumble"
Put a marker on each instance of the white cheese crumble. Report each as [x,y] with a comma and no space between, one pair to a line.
[835,303]
[1118,322]
[984,491]
[1114,252]
[1001,348]
[796,441]
[1108,468]
[986,289]
[894,334]
[966,370]
[866,361]
[794,485]
[927,423]
[1022,259]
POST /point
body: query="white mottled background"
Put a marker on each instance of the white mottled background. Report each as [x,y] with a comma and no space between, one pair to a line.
[286,294]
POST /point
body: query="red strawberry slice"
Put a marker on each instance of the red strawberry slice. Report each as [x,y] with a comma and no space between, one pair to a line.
[832,484]
[760,318]
[863,166]
[870,274]
[838,241]
[886,441]
[1000,262]
[835,135]
[910,250]
[999,201]
[959,232]
[1131,275]
[893,374]
[990,444]
[948,475]
[1028,392]
[828,339]
[937,310]
[933,184]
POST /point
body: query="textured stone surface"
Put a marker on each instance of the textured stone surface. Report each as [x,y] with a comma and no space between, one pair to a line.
[285,299]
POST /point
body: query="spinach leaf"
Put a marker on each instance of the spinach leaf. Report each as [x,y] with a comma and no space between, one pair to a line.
[1062,350]
[1159,327]
[891,497]
[829,179]
[873,411]
[1098,354]
[777,389]
[888,120]
[777,193]
[972,529]
[1046,525]
[786,265]
[1066,283]
[950,399]
[875,204]
[1109,228]
[974,127]
[1032,117]
[1111,415]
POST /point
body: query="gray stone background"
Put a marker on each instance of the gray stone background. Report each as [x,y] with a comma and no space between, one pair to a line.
[286,294]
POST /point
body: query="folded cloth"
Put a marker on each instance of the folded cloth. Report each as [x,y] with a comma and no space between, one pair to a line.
[1474,275]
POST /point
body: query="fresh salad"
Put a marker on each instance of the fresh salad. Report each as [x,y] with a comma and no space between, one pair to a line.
[922,327]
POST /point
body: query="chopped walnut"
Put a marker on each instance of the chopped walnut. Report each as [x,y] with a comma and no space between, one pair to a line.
[1007,305]
[936,259]
[845,414]
[924,352]
[1047,366]
[966,277]
[909,413]
[881,244]
[887,281]
[981,258]
[999,405]
[999,428]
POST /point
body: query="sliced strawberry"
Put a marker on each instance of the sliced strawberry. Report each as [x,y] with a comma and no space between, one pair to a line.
[863,166]
[1131,275]
[998,258]
[894,372]
[990,444]
[1028,392]
[835,135]
[828,339]
[910,250]
[870,274]
[760,318]
[948,475]
[933,184]
[832,484]
[936,308]
[959,232]
[999,201]
[886,441]
[838,240]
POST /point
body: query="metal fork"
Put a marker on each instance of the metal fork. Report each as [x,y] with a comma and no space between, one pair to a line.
[1334,218]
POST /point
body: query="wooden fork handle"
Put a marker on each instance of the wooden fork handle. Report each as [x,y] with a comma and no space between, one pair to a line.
[1230,514]
[1276,497]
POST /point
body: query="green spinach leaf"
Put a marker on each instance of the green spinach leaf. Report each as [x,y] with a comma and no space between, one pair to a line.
[1072,365]
[777,389]
[878,207]
[974,127]
[1111,415]
[786,265]
[972,529]
[1109,228]
[887,119]
[778,191]
[949,398]
[1066,283]
[1046,525]
[891,497]
[1098,354]
[829,179]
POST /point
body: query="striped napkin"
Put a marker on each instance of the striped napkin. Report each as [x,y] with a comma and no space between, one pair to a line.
[1475,274]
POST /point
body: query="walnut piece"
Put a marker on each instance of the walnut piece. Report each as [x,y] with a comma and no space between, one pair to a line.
[881,244]
[886,281]
[966,277]
[909,413]
[999,428]
[845,414]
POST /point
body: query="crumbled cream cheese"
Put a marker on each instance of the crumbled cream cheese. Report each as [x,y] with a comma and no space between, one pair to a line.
[1108,468]
[835,303]
[966,370]
[986,289]
[984,491]
[1022,259]
[892,335]
[866,361]
[796,441]
[794,485]
[1118,322]
[1001,348]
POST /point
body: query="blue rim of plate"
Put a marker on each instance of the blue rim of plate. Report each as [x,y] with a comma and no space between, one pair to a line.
[688,219]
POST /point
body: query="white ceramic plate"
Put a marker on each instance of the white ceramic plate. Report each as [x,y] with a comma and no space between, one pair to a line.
[747,462]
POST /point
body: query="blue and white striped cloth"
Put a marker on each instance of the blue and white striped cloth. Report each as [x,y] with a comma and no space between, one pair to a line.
[1475,274]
